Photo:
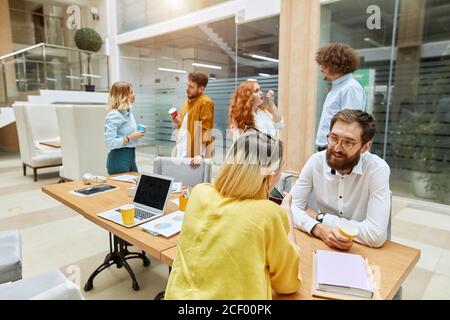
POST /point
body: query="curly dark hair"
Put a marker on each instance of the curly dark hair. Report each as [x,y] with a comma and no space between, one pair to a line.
[339,58]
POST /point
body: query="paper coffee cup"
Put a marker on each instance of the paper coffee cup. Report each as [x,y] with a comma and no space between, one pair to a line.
[131,191]
[173,113]
[183,202]
[348,230]
[127,212]
[141,128]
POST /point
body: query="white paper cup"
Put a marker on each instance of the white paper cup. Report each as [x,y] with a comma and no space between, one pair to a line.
[131,191]
[173,113]
[348,230]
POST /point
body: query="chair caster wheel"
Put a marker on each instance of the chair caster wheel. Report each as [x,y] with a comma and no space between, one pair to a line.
[88,286]
[160,296]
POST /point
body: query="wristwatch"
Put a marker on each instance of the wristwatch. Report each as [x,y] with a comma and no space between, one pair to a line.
[320,217]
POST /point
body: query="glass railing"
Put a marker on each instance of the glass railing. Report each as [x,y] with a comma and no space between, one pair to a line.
[134,14]
[29,28]
[46,66]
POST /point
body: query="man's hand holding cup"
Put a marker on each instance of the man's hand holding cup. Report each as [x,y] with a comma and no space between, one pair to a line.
[174,115]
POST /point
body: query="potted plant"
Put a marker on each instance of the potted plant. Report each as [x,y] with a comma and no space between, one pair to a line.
[416,143]
[89,40]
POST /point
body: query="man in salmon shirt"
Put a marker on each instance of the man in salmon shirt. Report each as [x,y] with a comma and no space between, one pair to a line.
[196,121]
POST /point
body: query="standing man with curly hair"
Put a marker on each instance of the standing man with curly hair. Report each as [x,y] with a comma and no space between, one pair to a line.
[337,62]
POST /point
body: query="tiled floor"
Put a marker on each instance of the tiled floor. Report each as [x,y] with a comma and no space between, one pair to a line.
[55,236]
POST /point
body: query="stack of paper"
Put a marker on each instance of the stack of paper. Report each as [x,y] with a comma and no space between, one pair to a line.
[342,273]
[126,178]
[167,225]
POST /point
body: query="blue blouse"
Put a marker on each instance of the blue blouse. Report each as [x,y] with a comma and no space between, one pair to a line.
[119,124]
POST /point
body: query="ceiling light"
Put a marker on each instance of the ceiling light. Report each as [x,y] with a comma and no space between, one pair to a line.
[172,70]
[373,42]
[195,64]
[90,75]
[264,74]
[263,58]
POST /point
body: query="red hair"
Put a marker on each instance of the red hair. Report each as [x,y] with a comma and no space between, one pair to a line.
[241,106]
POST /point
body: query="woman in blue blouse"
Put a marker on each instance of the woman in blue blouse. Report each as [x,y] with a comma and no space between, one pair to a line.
[120,129]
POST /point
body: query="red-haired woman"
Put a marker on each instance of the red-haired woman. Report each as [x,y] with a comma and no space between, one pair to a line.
[247,109]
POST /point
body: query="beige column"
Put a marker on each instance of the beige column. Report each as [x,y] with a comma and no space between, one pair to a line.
[299,41]
[409,48]
[6,46]
[8,134]
[6,43]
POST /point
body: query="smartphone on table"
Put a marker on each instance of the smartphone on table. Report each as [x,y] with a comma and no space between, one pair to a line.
[276,196]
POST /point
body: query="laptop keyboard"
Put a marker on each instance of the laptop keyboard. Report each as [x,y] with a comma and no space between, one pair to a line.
[141,214]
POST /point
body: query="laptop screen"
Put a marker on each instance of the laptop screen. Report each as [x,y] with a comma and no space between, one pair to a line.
[152,191]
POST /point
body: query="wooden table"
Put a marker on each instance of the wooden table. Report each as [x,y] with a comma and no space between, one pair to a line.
[53,144]
[394,262]
[89,207]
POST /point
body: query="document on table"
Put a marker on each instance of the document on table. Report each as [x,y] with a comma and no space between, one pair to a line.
[167,225]
[126,178]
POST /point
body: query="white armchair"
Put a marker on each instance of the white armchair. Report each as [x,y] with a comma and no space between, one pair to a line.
[37,123]
[10,256]
[52,285]
[82,144]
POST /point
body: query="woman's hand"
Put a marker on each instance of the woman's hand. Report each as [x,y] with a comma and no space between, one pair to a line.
[276,114]
[136,135]
[270,99]
[286,203]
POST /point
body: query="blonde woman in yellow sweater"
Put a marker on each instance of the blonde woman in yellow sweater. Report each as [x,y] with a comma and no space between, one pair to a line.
[234,243]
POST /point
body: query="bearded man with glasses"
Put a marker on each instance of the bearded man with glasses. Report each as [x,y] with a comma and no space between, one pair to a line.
[349,184]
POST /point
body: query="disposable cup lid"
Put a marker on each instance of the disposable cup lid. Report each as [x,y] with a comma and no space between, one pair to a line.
[172,110]
[127,207]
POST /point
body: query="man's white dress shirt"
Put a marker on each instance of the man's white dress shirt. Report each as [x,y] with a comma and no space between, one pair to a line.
[362,196]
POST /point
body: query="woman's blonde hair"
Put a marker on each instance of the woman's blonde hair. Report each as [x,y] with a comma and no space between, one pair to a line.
[252,158]
[120,96]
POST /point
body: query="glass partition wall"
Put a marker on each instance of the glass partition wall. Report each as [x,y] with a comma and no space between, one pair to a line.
[405,68]
[404,49]
[158,69]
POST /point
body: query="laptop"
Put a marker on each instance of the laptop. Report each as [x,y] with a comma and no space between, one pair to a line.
[150,200]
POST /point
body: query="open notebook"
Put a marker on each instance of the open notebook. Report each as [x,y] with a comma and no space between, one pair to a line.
[343,274]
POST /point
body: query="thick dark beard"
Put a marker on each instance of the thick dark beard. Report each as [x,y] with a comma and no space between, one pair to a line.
[342,164]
